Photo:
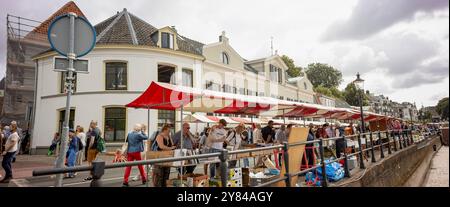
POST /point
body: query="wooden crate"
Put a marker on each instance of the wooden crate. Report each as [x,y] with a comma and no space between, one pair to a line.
[159,154]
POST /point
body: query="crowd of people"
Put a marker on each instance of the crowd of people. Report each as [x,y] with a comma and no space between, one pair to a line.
[83,146]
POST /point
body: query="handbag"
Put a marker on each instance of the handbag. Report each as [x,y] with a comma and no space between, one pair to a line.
[124,149]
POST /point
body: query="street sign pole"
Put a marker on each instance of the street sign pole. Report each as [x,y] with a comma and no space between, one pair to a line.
[69,78]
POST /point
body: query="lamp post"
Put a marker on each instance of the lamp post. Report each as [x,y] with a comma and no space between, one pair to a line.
[359,83]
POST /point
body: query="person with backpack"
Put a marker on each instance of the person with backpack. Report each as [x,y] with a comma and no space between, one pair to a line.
[135,140]
[82,136]
[94,143]
[163,142]
[71,156]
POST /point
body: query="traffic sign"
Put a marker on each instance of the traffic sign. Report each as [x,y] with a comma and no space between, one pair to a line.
[59,34]
[80,65]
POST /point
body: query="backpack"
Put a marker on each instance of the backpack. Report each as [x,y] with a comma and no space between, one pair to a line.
[101,144]
[154,145]
[80,144]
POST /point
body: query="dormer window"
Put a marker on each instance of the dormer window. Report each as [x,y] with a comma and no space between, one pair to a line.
[225,59]
[167,40]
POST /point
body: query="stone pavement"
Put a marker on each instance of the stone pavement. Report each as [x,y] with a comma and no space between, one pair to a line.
[438,175]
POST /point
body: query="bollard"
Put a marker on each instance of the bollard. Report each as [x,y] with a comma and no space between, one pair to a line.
[381,145]
[98,170]
[223,167]
[361,158]
[372,149]
[322,156]
[286,164]
[346,171]
[389,143]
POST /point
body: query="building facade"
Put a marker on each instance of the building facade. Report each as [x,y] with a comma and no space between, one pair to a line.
[130,54]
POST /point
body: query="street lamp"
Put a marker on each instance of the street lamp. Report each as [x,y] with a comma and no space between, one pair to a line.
[359,83]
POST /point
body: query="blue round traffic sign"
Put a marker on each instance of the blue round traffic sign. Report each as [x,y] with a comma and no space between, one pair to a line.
[59,35]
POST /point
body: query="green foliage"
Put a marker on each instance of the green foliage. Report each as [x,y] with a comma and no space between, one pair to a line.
[323,90]
[323,74]
[293,71]
[351,95]
[442,108]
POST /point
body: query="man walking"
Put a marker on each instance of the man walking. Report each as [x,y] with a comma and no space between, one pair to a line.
[93,137]
[11,147]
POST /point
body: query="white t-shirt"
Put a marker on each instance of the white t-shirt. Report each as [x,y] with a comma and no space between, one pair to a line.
[13,137]
[82,137]
[218,134]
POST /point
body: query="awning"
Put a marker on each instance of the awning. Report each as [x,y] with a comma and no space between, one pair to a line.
[171,97]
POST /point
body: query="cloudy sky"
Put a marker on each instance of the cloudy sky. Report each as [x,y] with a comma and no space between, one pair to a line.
[401,47]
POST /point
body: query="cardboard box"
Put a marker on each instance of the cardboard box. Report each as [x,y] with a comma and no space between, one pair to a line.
[230,183]
[196,180]
[262,153]
[235,173]
[159,154]
[245,177]
[176,183]
[259,181]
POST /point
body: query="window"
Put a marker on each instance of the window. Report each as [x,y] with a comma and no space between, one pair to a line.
[115,121]
[306,86]
[225,59]
[242,91]
[116,76]
[62,88]
[276,74]
[251,93]
[166,74]
[166,117]
[188,78]
[62,115]
[166,40]
[213,86]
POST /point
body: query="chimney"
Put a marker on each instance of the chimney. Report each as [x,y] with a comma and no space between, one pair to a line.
[223,38]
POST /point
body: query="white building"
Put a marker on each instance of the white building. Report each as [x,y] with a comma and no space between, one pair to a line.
[129,55]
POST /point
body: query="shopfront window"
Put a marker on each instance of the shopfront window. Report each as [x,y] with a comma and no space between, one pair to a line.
[115,124]
[62,115]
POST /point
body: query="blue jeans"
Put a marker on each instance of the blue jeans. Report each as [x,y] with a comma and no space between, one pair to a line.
[6,164]
[213,167]
[71,159]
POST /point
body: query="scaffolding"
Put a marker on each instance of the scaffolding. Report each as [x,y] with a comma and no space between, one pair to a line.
[25,39]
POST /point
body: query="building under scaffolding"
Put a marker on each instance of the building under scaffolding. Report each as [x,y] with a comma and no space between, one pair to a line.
[23,42]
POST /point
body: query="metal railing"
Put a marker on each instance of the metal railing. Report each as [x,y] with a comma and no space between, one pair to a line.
[404,140]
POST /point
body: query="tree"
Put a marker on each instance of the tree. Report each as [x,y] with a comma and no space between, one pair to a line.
[323,90]
[337,93]
[351,95]
[293,71]
[442,108]
[323,74]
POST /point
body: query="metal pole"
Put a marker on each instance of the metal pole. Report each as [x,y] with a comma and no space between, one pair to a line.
[389,143]
[65,132]
[361,159]
[181,143]
[286,164]
[322,157]
[381,145]
[147,168]
[372,149]
[346,170]
[223,167]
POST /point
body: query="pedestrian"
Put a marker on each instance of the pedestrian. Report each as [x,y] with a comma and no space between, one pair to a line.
[280,138]
[340,143]
[268,134]
[93,136]
[11,148]
[82,136]
[235,138]
[188,143]
[135,140]
[288,130]
[309,148]
[55,141]
[257,135]
[215,142]
[164,143]
[71,156]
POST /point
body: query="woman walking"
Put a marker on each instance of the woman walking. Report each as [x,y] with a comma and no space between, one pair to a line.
[135,141]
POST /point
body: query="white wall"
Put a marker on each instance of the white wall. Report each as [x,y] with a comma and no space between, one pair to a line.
[142,69]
